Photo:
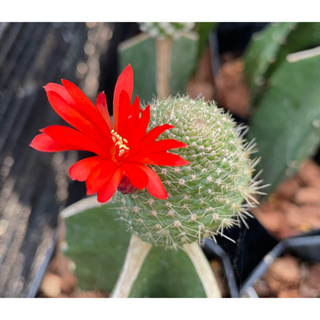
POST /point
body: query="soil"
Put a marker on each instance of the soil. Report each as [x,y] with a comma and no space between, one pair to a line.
[294,208]
[289,277]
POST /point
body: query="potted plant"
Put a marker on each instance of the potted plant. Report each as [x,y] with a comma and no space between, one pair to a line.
[199,193]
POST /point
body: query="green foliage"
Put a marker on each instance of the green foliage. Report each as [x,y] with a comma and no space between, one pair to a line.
[97,242]
[303,35]
[183,63]
[203,29]
[262,51]
[286,123]
[167,274]
[140,52]
[269,49]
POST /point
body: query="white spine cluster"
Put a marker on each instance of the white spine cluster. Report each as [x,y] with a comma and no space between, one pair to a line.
[162,30]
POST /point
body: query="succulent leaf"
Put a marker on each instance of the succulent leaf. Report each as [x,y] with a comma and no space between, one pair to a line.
[286,123]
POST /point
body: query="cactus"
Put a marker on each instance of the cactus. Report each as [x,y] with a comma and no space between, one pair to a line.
[261,53]
[195,194]
[269,48]
[286,123]
[164,64]
[97,243]
[303,36]
[163,30]
[205,198]
[204,29]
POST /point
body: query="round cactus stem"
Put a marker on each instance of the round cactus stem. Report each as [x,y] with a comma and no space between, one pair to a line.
[211,194]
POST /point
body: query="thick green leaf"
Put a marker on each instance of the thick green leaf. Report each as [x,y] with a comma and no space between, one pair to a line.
[269,48]
[97,242]
[304,35]
[183,62]
[261,53]
[140,52]
[204,29]
[286,124]
[167,273]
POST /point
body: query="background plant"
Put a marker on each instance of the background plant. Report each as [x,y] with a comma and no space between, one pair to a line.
[284,104]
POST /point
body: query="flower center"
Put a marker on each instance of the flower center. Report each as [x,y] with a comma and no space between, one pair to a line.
[120,143]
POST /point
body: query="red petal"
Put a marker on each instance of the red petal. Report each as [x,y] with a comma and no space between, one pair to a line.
[135,108]
[72,114]
[142,125]
[86,107]
[124,83]
[160,159]
[163,145]
[42,142]
[100,175]
[154,186]
[106,192]
[132,121]
[78,96]
[152,135]
[101,105]
[82,169]
[124,110]
[61,91]
[136,175]
[73,140]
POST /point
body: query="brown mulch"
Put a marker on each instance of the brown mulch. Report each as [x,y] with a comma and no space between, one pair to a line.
[288,277]
[294,208]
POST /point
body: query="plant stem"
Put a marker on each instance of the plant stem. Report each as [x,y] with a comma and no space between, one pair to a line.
[137,252]
[164,48]
[203,269]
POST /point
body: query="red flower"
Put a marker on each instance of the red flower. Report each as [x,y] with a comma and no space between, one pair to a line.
[123,148]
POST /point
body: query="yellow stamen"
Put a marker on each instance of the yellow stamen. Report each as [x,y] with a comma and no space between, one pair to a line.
[120,143]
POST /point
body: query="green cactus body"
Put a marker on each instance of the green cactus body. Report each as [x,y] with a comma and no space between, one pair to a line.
[262,52]
[141,52]
[206,196]
[269,49]
[286,124]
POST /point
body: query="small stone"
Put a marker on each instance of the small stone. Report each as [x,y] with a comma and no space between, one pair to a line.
[68,283]
[308,195]
[288,189]
[289,294]
[283,274]
[309,174]
[310,283]
[304,218]
[51,285]
[262,289]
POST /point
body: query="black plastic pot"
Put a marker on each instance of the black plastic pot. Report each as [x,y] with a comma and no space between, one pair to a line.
[212,249]
[251,245]
[305,247]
